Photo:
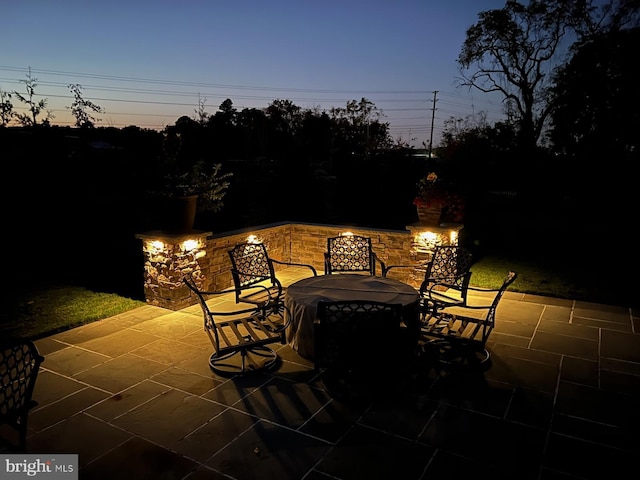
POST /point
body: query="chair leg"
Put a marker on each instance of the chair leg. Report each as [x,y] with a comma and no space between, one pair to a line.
[23,433]
[453,354]
[19,425]
[240,362]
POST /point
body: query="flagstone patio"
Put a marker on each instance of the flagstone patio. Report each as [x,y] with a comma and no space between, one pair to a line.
[134,397]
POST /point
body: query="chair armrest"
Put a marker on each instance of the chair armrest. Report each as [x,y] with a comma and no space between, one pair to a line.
[439,288]
[442,296]
[293,264]
[483,289]
[382,264]
[431,283]
[236,290]
[441,299]
[387,268]
[484,306]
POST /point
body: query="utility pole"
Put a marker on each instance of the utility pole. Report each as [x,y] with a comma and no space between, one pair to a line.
[433,116]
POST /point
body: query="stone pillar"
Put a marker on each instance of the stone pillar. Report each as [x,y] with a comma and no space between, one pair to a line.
[167,258]
[424,239]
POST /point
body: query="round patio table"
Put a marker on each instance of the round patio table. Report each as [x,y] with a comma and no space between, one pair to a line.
[302,299]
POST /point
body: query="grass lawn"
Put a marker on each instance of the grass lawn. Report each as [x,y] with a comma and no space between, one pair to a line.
[39,311]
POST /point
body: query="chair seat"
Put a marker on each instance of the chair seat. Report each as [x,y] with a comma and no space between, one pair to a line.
[464,327]
[446,298]
[457,335]
[260,296]
[242,344]
[240,334]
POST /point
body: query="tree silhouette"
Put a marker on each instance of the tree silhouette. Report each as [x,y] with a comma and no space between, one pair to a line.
[35,107]
[80,107]
[514,51]
[596,119]
[597,99]
[201,115]
[6,108]
[359,126]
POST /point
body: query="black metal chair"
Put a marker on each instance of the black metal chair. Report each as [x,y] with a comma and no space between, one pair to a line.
[19,366]
[358,341]
[449,268]
[251,266]
[458,335]
[351,254]
[240,336]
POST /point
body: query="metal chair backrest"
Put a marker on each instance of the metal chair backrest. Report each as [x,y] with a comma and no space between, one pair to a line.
[448,264]
[447,277]
[251,265]
[19,365]
[348,334]
[209,320]
[349,253]
[490,318]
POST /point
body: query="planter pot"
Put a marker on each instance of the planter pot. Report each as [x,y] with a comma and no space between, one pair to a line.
[429,215]
[181,213]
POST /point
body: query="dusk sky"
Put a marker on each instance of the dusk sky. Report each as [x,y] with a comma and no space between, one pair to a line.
[147,62]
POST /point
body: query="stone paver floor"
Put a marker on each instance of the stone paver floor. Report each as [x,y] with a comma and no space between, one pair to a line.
[134,397]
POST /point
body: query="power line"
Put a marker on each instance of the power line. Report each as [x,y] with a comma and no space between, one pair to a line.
[213,85]
[393,102]
[203,84]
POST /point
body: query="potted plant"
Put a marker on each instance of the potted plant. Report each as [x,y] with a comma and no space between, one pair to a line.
[189,184]
[437,200]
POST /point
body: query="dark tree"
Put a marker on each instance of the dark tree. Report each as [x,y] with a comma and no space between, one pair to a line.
[597,98]
[511,51]
[316,137]
[222,133]
[201,115]
[81,106]
[285,119]
[359,127]
[514,50]
[35,107]
[477,156]
[252,132]
[6,108]
[595,123]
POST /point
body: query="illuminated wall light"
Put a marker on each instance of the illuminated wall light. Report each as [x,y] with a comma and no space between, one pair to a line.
[427,237]
[189,245]
[453,237]
[427,240]
[157,245]
[346,234]
[253,239]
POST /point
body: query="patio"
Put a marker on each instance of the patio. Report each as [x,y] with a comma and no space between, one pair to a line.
[134,397]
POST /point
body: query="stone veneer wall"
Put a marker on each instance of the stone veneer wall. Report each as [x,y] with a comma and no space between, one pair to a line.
[288,242]
[306,243]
